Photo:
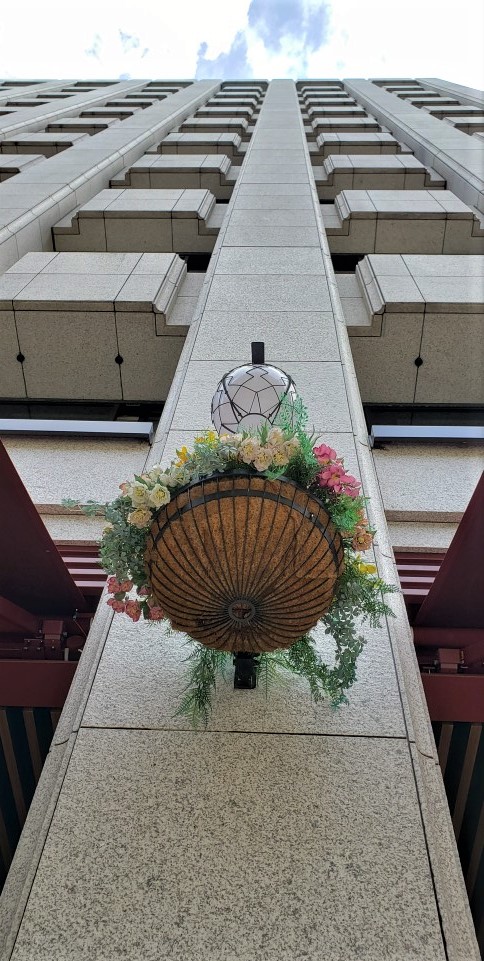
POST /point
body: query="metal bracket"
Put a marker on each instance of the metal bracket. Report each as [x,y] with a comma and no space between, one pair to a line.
[245,675]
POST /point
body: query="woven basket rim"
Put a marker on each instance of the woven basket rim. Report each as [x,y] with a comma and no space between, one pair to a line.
[239,472]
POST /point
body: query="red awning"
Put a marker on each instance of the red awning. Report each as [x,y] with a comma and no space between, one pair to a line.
[456,597]
[33,574]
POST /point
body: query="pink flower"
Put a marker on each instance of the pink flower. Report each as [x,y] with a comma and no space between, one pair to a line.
[156,614]
[334,477]
[124,487]
[118,606]
[118,587]
[352,480]
[133,610]
[352,486]
[114,587]
[143,591]
[324,454]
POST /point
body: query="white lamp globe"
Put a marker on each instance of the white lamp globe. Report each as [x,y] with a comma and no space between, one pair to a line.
[250,396]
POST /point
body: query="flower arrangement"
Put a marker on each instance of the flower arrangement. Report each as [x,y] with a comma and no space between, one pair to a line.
[287,450]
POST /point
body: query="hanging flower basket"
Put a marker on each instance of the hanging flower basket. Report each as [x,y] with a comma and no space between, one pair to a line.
[244,544]
[240,562]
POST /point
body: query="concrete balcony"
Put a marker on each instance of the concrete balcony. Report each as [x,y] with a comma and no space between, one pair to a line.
[110,324]
[237,125]
[154,221]
[467,124]
[196,171]
[403,309]
[400,172]
[410,222]
[355,143]
[342,124]
[216,111]
[84,125]
[47,144]
[206,143]
[11,165]
[344,109]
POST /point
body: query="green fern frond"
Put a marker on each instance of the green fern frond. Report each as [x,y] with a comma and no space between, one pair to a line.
[205,666]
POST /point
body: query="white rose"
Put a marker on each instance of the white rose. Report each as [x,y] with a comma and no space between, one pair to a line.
[140,517]
[264,458]
[291,447]
[249,450]
[275,436]
[175,477]
[280,457]
[161,478]
[159,495]
[139,494]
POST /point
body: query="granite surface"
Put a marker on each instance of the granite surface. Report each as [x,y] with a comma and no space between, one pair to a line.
[53,469]
[404,471]
[233,847]
[142,674]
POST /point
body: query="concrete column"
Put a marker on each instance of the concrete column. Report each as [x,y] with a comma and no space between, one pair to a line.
[453,154]
[284,831]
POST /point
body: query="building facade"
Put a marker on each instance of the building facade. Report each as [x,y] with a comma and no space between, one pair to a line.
[151,230]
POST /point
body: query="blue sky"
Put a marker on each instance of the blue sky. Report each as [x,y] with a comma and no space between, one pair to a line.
[243,38]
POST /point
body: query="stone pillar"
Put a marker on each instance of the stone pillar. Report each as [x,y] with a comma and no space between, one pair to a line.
[284,830]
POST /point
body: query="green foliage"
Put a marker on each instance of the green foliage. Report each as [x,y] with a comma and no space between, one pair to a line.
[302,468]
[269,672]
[293,419]
[359,593]
[123,546]
[343,510]
[293,415]
[205,665]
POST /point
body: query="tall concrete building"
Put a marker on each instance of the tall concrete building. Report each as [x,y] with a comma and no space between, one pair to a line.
[150,231]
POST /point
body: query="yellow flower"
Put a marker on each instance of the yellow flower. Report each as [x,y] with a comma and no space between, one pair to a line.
[183,456]
[109,527]
[140,517]
[366,568]
[210,437]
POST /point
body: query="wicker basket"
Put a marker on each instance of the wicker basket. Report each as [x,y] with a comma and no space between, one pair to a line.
[243,563]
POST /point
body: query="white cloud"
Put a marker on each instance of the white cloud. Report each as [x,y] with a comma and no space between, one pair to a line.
[162,38]
[413,38]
